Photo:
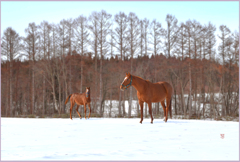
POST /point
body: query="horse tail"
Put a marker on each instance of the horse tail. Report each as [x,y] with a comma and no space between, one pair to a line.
[68,98]
[170,108]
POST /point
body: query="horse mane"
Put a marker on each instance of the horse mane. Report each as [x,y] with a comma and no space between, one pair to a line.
[142,79]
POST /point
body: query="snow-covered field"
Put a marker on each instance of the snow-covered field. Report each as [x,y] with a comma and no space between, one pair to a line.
[118,139]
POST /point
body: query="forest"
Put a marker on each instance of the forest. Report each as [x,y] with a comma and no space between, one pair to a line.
[52,61]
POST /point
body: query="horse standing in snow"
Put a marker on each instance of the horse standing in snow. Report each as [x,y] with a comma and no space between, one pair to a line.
[80,99]
[150,92]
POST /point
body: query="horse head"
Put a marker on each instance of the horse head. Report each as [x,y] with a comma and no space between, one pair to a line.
[87,91]
[127,82]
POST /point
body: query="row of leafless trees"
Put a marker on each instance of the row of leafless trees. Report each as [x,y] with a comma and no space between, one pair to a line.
[63,58]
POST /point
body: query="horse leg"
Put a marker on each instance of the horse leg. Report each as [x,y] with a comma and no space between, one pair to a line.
[72,104]
[141,106]
[78,112]
[164,109]
[89,110]
[168,108]
[85,110]
[150,110]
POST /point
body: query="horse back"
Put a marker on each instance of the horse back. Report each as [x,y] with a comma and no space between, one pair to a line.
[167,87]
[160,91]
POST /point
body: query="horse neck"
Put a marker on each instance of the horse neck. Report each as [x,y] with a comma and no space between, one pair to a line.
[138,83]
[86,95]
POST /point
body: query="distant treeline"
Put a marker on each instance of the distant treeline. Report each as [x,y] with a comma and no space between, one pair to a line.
[97,51]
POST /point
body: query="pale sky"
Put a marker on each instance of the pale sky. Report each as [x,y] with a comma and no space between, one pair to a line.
[19,14]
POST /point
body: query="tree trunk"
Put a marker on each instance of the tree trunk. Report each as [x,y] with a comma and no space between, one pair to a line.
[183,102]
[119,104]
[190,93]
[124,112]
[110,98]
[81,84]
[11,91]
[7,98]
[33,90]
[43,104]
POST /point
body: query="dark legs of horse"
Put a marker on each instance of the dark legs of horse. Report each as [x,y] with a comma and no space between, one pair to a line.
[141,107]
[85,110]
[150,111]
[78,112]
[164,109]
[72,104]
[168,108]
[89,110]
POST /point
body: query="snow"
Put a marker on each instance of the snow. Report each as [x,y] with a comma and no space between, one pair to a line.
[118,139]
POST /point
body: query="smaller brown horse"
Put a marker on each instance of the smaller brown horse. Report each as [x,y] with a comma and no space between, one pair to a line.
[80,99]
[150,92]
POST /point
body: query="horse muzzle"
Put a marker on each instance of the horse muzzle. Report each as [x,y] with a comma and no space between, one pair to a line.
[121,88]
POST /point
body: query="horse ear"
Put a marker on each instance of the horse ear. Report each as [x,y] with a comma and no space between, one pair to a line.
[126,73]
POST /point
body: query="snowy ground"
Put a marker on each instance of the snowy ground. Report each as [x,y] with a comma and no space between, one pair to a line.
[118,139]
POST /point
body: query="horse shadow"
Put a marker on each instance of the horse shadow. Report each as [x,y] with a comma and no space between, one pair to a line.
[172,122]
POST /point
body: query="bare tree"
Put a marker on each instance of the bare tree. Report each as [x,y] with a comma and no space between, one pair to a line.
[70,34]
[31,46]
[141,38]
[10,48]
[210,50]
[57,55]
[184,55]
[120,35]
[133,37]
[196,35]
[44,43]
[94,28]
[62,42]
[171,33]
[223,48]
[156,33]
[112,45]
[236,47]
[146,25]
[181,46]
[82,40]
[104,25]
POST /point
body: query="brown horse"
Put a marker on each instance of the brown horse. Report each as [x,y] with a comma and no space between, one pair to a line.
[150,92]
[80,99]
